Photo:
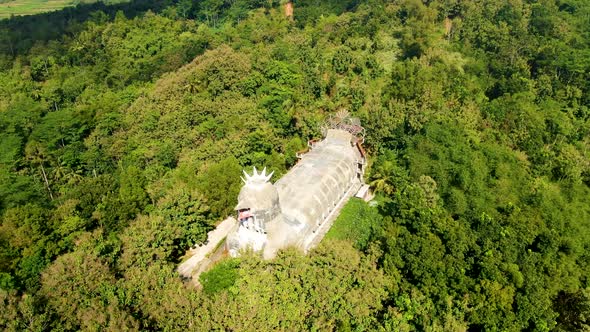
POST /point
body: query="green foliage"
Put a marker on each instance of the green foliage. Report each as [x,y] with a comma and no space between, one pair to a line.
[220,184]
[124,129]
[22,312]
[574,311]
[301,293]
[221,277]
[87,286]
[358,223]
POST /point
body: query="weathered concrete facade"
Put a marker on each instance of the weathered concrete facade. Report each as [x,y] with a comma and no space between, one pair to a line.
[294,211]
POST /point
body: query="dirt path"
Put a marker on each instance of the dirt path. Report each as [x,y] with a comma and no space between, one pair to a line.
[187,269]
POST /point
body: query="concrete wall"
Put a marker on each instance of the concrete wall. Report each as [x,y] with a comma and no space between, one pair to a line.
[311,189]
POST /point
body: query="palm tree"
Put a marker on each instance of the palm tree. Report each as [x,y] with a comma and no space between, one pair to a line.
[59,171]
[74,176]
[36,155]
[383,178]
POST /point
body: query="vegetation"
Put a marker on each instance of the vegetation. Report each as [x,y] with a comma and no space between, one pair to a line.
[222,276]
[31,7]
[124,128]
[358,222]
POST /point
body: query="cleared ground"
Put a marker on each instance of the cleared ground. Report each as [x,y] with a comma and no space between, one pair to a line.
[30,7]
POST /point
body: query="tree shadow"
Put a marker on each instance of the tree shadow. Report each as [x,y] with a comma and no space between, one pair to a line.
[19,34]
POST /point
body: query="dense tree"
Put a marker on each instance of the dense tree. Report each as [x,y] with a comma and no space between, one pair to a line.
[124,129]
[81,289]
[296,292]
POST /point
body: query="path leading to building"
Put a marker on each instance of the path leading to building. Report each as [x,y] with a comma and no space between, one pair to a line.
[201,257]
[188,268]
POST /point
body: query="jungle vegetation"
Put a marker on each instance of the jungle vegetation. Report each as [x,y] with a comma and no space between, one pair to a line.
[124,129]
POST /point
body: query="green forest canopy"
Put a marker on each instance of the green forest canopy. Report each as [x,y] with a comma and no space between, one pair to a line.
[124,129]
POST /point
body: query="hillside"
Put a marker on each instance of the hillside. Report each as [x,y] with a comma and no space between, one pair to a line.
[124,130]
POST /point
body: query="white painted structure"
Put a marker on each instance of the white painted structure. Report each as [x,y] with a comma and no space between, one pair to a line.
[298,209]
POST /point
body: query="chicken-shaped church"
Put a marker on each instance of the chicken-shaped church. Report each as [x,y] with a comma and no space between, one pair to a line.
[299,208]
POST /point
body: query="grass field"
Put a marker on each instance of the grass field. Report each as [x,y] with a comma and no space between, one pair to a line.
[30,7]
[357,222]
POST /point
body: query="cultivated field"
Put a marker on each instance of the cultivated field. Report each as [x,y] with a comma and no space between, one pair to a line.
[30,7]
